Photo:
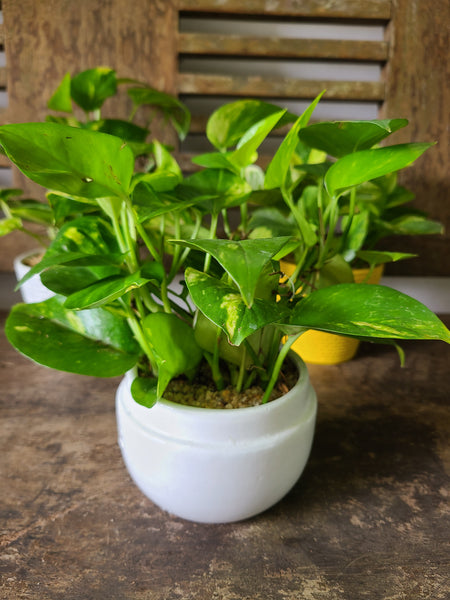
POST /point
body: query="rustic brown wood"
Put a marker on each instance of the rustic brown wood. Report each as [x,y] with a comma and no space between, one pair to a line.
[223,45]
[2,77]
[4,162]
[418,88]
[280,87]
[44,40]
[347,9]
[369,513]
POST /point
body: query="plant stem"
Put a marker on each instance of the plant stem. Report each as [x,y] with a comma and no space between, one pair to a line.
[165,297]
[212,234]
[226,223]
[242,369]
[244,217]
[278,364]
[140,336]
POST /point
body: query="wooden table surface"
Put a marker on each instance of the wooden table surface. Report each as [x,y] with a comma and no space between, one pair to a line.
[369,518]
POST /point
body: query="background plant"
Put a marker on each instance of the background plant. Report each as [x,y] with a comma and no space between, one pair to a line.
[86,94]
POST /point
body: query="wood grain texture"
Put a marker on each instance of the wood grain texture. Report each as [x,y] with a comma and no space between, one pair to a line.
[44,40]
[369,513]
[223,45]
[278,87]
[348,9]
[417,79]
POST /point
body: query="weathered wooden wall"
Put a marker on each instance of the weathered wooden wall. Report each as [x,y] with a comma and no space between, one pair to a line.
[44,40]
[140,39]
[417,83]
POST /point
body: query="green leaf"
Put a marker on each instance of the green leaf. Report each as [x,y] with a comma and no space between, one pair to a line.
[279,165]
[224,306]
[365,165]
[129,132]
[243,260]
[411,224]
[61,99]
[104,291]
[90,88]
[92,342]
[71,160]
[230,122]
[64,206]
[216,160]
[32,211]
[339,138]
[173,344]
[215,189]
[85,239]
[8,225]
[150,205]
[66,280]
[375,257]
[171,107]
[271,222]
[368,311]
[144,391]
[245,153]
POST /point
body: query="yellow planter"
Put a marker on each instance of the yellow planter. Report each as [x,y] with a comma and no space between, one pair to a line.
[320,348]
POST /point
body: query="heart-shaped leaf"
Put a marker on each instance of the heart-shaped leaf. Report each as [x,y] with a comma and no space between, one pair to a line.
[243,260]
[230,122]
[224,306]
[339,138]
[68,159]
[171,107]
[215,189]
[365,165]
[90,88]
[92,342]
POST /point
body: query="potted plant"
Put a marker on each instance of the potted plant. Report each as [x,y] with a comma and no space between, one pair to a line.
[117,312]
[82,99]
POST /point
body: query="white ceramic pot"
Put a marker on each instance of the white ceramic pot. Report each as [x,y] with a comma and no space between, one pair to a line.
[217,465]
[32,290]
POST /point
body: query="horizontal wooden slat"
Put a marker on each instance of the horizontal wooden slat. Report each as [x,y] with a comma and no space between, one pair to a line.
[278,87]
[346,9]
[224,45]
[2,77]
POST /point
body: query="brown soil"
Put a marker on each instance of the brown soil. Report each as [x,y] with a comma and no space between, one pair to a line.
[201,392]
[33,260]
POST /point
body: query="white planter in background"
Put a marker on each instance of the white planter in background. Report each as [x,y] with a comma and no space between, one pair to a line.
[217,465]
[32,290]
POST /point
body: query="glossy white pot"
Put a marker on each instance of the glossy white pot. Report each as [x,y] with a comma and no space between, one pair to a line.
[217,465]
[32,290]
